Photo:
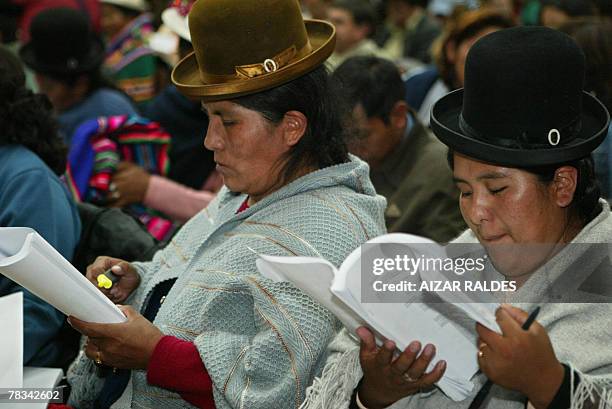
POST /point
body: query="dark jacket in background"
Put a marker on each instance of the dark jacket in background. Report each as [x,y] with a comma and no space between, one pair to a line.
[417,42]
[183,119]
[417,182]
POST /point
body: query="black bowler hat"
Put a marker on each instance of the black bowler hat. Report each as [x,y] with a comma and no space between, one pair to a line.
[523,103]
[62,44]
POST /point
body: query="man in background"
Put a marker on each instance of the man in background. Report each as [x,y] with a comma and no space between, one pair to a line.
[408,165]
[355,21]
[409,30]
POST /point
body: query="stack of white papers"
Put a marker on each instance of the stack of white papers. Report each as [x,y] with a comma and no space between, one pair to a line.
[11,341]
[27,259]
[339,290]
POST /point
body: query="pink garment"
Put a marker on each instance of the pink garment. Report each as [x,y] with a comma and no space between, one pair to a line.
[175,200]
[32,7]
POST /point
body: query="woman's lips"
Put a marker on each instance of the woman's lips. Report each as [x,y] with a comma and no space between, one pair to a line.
[492,238]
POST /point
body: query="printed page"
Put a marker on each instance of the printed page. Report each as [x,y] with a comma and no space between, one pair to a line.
[11,341]
[36,265]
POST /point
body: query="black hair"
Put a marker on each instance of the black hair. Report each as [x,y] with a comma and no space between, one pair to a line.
[362,11]
[573,8]
[585,203]
[9,16]
[594,36]
[322,144]
[416,3]
[27,118]
[373,82]
[463,27]
[96,80]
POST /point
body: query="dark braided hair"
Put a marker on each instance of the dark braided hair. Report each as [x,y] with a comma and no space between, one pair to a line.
[26,118]
[323,142]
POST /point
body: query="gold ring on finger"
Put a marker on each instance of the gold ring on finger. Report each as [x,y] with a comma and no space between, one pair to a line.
[481,353]
[98,359]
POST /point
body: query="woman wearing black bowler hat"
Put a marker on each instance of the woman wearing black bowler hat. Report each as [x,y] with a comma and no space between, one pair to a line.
[520,135]
[66,56]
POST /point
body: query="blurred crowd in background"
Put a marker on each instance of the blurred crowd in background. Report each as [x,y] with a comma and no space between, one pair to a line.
[127,138]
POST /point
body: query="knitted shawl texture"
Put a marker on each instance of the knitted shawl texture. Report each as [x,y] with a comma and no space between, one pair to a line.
[261,342]
[580,334]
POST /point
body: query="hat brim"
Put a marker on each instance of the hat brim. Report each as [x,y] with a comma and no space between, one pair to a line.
[445,125]
[187,79]
[94,59]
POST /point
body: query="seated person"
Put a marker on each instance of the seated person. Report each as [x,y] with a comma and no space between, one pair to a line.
[555,13]
[66,56]
[192,179]
[594,36]
[526,178]
[31,195]
[213,331]
[407,164]
[460,33]
[129,62]
[409,30]
[355,23]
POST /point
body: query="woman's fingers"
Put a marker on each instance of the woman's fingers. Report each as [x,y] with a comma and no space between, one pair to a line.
[420,365]
[520,316]
[368,343]
[429,379]
[385,354]
[406,358]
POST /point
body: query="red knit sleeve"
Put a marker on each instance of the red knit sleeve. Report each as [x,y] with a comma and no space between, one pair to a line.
[176,365]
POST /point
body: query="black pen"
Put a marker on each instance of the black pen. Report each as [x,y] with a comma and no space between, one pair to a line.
[484,391]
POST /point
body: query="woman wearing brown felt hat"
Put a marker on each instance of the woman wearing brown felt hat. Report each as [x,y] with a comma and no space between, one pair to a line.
[211,331]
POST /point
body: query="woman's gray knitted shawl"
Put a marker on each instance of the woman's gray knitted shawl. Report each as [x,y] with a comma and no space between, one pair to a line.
[261,342]
[581,335]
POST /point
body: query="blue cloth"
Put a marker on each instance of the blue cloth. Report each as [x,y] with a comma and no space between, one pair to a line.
[103,102]
[602,156]
[32,196]
[183,119]
[417,87]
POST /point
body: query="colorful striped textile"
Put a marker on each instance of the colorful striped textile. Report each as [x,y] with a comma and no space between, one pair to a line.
[98,147]
[130,63]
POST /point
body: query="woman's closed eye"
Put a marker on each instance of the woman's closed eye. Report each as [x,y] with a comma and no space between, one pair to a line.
[497,190]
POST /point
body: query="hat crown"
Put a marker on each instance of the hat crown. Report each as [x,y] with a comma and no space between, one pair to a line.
[521,84]
[61,37]
[229,34]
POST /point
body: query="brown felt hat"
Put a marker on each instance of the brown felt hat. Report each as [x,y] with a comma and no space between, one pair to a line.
[244,47]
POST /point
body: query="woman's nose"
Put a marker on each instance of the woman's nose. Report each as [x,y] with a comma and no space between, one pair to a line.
[213,140]
[480,209]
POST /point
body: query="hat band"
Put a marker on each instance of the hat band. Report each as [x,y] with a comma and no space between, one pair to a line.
[270,65]
[566,134]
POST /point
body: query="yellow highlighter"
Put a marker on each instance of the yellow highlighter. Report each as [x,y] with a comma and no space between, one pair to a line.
[107,279]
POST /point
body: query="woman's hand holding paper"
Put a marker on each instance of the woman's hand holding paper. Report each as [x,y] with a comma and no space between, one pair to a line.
[128,282]
[128,345]
[520,360]
[387,379]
